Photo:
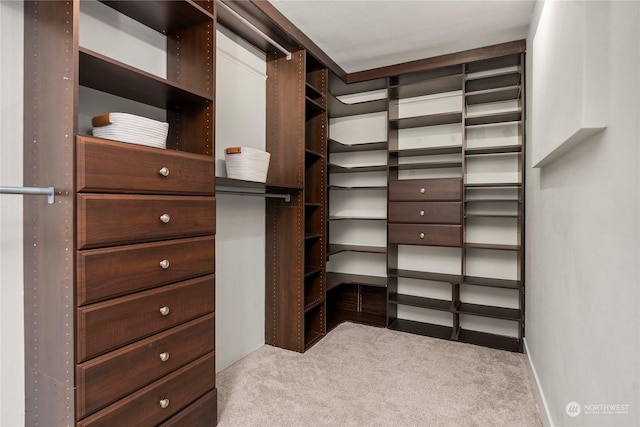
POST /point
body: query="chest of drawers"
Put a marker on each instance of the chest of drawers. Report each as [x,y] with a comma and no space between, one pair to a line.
[145,306]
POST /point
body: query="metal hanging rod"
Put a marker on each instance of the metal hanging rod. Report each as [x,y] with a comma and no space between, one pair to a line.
[256,30]
[39,191]
[286,197]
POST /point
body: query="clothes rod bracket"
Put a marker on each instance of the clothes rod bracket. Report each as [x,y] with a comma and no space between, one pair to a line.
[256,30]
[38,191]
[286,197]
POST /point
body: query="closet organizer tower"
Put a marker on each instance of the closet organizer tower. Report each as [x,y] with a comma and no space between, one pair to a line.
[119,272]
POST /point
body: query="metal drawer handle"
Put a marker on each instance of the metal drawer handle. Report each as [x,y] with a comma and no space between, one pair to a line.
[422,235]
[164,403]
[164,264]
[164,171]
[422,190]
[421,213]
[164,310]
[165,218]
[164,356]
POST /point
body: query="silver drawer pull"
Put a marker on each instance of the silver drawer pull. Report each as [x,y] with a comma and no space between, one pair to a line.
[165,218]
[164,171]
[422,190]
[164,403]
[421,213]
[422,235]
[164,310]
[164,264]
[164,356]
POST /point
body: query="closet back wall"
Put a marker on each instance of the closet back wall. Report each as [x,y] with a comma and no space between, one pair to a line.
[240,240]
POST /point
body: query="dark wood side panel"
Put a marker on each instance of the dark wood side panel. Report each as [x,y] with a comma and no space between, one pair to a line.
[110,219]
[111,272]
[107,325]
[106,379]
[50,78]
[201,413]
[143,407]
[109,166]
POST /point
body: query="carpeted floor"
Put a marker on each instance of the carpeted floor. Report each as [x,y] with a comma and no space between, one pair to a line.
[364,376]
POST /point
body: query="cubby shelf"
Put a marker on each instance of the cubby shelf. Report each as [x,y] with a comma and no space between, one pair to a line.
[313,155]
[492,184]
[340,316]
[312,236]
[339,147]
[311,302]
[336,279]
[426,151]
[371,187]
[338,108]
[491,118]
[333,168]
[504,79]
[422,302]
[491,215]
[313,107]
[426,120]
[493,95]
[335,248]
[164,17]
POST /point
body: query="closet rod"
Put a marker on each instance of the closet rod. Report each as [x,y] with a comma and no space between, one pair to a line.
[286,197]
[39,191]
[256,30]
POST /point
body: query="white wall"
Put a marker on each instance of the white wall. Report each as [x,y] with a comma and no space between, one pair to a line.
[582,249]
[11,273]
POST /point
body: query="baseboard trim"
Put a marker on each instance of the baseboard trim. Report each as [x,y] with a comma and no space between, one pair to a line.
[536,388]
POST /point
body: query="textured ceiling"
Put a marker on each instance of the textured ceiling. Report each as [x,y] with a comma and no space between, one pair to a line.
[360,35]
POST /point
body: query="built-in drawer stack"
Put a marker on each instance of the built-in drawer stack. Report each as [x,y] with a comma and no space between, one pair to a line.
[145,285]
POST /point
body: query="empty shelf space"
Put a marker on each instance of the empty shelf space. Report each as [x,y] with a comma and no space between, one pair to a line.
[499,149]
[239,183]
[336,279]
[310,271]
[428,151]
[427,120]
[393,164]
[493,95]
[489,311]
[311,302]
[348,169]
[313,93]
[422,302]
[492,246]
[338,108]
[492,184]
[493,283]
[340,147]
[313,106]
[426,87]
[338,248]
[424,275]
[357,218]
[499,342]
[337,317]
[371,187]
[491,118]
[492,199]
[164,16]
[131,83]
[491,215]
[419,328]
[502,78]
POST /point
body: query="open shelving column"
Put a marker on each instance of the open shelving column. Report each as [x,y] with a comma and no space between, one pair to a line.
[356,276]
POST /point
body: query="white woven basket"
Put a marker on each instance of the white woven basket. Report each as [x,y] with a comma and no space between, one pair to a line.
[249,164]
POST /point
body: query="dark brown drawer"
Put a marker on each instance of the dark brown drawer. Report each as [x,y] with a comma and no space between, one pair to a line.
[427,235]
[426,212]
[201,413]
[108,166]
[110,272]
[114,219]
[108,378]
[426,189]
[111,324]
[159,401]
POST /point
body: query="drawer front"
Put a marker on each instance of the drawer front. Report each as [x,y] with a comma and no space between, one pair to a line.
[110,220]
[108,378]
[107,325]
[110,272]
[426,189]
[426,212]
[427,235]
[108,166]
[201,413]
[159,401]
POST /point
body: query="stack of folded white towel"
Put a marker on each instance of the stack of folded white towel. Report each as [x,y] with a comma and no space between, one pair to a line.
[130,128]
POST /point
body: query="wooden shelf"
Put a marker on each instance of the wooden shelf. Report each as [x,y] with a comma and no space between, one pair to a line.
[499,342]
[428,151]
[508,78]
[134,84]
[350,169]
[427,120]
[313,155]
[414,301]
[338,108]
[311,302]
[310,271]
[340,147]
[516,148]
[393,164]
[315,95]
[424,275]
[340,316]
[341,187]
[491,118]
[493,95]
[239,183]
[419,328]
[334,248]
[427,87]
[164,16]
[492,246]
[492,184]
[489,311]
[491,215]
[355,218]
[492,283]
[336,279]
[313,107]
[493,199]
[312,236]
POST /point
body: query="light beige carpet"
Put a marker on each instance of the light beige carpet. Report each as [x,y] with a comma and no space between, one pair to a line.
[364,376]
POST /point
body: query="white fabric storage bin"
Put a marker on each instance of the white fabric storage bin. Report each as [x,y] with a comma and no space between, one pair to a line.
[246,163]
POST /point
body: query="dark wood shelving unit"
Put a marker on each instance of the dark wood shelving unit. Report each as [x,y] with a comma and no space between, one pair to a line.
[442,84]
[484,339]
